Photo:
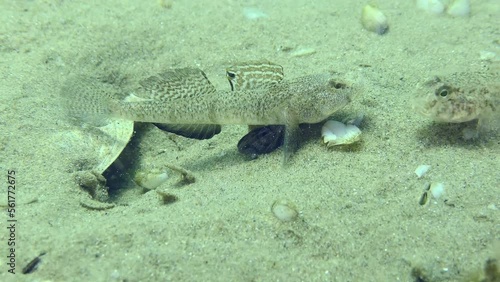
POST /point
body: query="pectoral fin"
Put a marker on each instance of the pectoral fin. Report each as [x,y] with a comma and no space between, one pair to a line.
[292,139]
[261,140]
[193,131]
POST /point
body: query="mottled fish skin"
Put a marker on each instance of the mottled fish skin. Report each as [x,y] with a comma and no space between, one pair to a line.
[308,99]
[460,97]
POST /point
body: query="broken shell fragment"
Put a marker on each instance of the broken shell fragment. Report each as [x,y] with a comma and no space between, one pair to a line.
[421,170]
[459,8]
[374,20]
[437,190]
[336,133]
[431,6]
[150,180]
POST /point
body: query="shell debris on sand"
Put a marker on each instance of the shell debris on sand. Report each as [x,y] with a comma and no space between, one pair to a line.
[431,6]
[150,179]
[374,20]
[421,170]
[336,133]
[455,8]
[252,13]
[436,189]
[459,8]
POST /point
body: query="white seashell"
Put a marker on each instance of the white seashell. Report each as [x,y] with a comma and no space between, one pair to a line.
[437,190]
[300,52]
[252,13]
[485,55]
[459,8]
[150,180]
[336,133]
[422,170]
[492,207]
[431,6]
[374,20]
[284,210]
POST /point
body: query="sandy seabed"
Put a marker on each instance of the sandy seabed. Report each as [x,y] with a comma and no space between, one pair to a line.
[359,213]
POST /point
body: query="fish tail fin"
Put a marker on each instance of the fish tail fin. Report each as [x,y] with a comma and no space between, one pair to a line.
[88,100]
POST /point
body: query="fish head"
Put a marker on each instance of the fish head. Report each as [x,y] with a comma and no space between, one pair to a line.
[320,96]
[442,101]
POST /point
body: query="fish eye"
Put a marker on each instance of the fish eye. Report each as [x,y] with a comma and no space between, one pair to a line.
[231,74]
[443,91]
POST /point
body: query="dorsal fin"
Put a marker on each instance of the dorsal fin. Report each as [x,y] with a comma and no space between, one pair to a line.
[179,84]
[254,75]
[176,84]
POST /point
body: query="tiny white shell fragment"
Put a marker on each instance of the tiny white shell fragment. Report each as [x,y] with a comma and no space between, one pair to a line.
[492,207]
[284,210]
[150,180]
[374,20]
[437,190]
[336,133]
[303,51]
[459,8]
[422,170]
[487,55]
[431,6]
[252,13]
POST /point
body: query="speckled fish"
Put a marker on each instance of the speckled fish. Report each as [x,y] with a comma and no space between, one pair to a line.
[186,97]
[461,97]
